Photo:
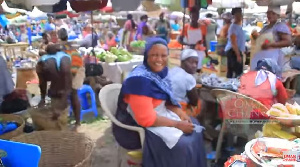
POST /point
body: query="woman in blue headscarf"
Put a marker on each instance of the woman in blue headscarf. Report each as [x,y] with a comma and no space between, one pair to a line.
[146,101]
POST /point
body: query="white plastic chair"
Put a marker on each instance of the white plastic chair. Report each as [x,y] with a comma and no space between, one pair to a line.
[108,97]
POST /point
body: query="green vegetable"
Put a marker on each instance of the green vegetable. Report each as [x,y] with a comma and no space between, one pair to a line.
[123,58]
[138,44]
[109,58]
[114,51]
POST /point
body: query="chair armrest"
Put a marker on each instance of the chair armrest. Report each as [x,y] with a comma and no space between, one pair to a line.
[140,130]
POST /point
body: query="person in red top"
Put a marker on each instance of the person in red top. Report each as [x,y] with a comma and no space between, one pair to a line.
[111,40]
[263,85]
[193,35]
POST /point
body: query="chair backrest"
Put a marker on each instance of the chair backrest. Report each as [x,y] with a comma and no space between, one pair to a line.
[108,97]
[20,154]
[230,101]
[238,108]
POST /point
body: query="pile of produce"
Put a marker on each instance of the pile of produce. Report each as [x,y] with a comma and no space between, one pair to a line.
[138,44]
[174,44]
[7,126]
[212,80]
[114,55]
[277,130]
[287,110]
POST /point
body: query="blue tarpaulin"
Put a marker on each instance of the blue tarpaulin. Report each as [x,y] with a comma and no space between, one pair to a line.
[3,20]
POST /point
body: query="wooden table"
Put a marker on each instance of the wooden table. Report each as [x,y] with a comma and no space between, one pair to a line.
[10,48]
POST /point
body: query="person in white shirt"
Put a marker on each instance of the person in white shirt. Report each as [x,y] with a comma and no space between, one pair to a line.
[183,81]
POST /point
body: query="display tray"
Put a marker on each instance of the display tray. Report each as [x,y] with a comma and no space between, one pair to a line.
[271,142]
[214,87]
[289,121]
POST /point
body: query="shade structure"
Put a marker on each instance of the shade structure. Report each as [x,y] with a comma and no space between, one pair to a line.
[107,9]
[125,5]
[87,5]
[28,4]
[274,2]
[37,14]
[178,15]
[48,6]
[232,3]
[68,13]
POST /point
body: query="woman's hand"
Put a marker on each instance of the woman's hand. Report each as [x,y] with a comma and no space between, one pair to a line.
[185,126]
[184,117]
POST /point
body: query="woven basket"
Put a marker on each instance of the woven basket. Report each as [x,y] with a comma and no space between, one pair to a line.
[61,148]
[42,118]
[15,118]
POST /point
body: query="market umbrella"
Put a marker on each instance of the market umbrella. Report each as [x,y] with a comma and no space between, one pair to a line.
[125,5]
[107,9]
[274,2]
[176,15]
[87,5]
[28,4]
[232,3]
[37,14]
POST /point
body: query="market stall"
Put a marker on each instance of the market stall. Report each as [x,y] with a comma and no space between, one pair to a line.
[10,49]
[116,62]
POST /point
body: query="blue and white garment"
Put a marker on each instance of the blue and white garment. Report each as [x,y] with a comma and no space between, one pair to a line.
[57,57]
[163,83]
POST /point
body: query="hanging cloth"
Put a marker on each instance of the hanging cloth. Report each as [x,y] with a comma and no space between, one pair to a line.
[204,3]
[184,3]
[191,3]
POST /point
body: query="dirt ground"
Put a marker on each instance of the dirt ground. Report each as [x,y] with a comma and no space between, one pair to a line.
[105,152]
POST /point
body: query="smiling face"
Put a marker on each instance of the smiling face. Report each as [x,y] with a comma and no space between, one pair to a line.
[157,57]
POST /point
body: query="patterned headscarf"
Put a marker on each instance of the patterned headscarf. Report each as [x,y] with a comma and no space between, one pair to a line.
[142,81]
[267,69]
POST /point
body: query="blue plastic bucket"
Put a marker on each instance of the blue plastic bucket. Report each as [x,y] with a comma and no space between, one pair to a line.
[213,45]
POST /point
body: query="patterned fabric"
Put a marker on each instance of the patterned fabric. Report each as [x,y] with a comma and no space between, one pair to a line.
[163,83]
[142,81]
[267,68]
[76,58]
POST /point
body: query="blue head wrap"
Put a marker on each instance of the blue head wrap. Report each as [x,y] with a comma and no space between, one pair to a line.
[142,81]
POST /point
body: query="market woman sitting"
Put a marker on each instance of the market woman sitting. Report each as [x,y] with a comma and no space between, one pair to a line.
[184,84]
[146,100]
[263,85]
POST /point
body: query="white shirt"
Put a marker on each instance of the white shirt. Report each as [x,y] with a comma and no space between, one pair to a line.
[182,82]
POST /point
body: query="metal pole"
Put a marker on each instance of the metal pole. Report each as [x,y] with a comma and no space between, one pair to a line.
[184,12]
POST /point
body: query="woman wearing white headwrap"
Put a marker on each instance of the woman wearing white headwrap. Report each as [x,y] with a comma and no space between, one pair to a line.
[263,84]
[272,38]
[183,82]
